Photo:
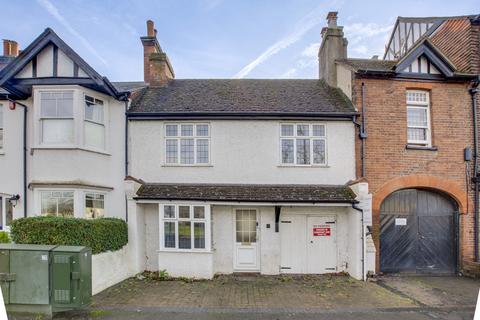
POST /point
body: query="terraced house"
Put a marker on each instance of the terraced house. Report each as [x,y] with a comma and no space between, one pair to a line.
[266,176]
[243,175]
[417,141]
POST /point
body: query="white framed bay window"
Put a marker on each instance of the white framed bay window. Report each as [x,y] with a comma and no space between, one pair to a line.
[187,144]
[418,118]
[1,128]
[71,117]
[56,117]
[303,144]
[184,227]
[70,202]
[94,123]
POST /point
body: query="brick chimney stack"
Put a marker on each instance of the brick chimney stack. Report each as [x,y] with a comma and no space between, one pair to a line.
[333,47]
[157,69]
[10,48]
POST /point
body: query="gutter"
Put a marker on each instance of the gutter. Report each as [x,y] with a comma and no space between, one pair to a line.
[352,202]
[237,115]
[354,206]
[473,92]
[24,154]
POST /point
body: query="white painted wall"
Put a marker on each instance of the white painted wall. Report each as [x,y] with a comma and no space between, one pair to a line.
[251,147]
[344,80]
[198,265]
[67,164]
[110,268]
[220,259]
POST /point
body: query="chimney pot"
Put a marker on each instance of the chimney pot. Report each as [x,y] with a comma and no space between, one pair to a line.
[150,28]
[332,19]
[10,48]
[157,70]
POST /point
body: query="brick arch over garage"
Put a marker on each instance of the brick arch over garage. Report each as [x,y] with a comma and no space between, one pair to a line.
[420,181]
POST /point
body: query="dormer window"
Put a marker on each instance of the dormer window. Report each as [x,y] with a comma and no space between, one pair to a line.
[56,117]
[94,123]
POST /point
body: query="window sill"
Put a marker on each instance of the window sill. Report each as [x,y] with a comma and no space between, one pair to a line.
[71,148]
[416,147]
[304,166]
[188,165]
[184,251]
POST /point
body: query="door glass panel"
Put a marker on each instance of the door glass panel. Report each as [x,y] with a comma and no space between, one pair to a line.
[246,223]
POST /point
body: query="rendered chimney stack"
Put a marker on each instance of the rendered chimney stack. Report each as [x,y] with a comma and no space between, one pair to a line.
[324,30]
[10,48]
[157,69]
[332,48]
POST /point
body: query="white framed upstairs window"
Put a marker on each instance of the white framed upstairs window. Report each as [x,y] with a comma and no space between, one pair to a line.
[418,118]
[185,227]
[56,118]
[94,123]
[187,144]
[1,128]
[303,144]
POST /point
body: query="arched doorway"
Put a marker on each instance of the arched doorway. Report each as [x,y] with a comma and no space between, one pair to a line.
[418,232]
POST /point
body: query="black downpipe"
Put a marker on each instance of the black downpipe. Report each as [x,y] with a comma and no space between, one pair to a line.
[125,99]
[24,154]
[473,92]
[363,130]
[354,206]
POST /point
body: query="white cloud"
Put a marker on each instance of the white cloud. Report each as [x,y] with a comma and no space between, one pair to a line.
[312,50]
[305,24]
[47,5]
[366,39]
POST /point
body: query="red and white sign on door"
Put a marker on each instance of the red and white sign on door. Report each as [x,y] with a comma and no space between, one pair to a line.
[322,230]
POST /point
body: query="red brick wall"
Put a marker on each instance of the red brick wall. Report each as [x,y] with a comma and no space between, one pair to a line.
[387,159]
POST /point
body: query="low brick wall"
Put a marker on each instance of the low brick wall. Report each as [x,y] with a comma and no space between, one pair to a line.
[471,269]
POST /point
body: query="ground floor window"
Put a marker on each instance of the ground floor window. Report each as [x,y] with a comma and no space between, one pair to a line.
[184,227]
[6,212]
[94,205]
[57,203]
[79,203]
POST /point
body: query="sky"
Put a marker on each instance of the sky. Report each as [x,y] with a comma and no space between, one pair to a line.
[214,38]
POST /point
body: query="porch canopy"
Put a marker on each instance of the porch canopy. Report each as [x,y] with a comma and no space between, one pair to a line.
[284,193]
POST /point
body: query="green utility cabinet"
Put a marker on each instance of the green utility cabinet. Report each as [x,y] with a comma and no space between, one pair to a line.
[45,279]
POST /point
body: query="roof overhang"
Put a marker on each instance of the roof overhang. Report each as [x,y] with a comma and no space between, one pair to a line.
[240,116]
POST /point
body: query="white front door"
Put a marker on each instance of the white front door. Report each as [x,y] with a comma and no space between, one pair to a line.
[246,247]
[321,245]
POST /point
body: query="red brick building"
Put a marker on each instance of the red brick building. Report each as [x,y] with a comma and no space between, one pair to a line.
[416,142]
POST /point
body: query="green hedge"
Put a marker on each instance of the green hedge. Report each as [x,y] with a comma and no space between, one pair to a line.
[103,234]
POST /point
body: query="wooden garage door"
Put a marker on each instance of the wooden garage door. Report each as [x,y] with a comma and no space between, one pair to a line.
[418,232]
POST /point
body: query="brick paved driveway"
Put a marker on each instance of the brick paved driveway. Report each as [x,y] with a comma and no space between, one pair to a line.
[320,291]
[285,298]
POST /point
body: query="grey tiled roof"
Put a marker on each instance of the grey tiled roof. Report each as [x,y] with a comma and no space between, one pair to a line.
[4,60]
[247,192]
[242,96]
[369,64]
[129,86]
